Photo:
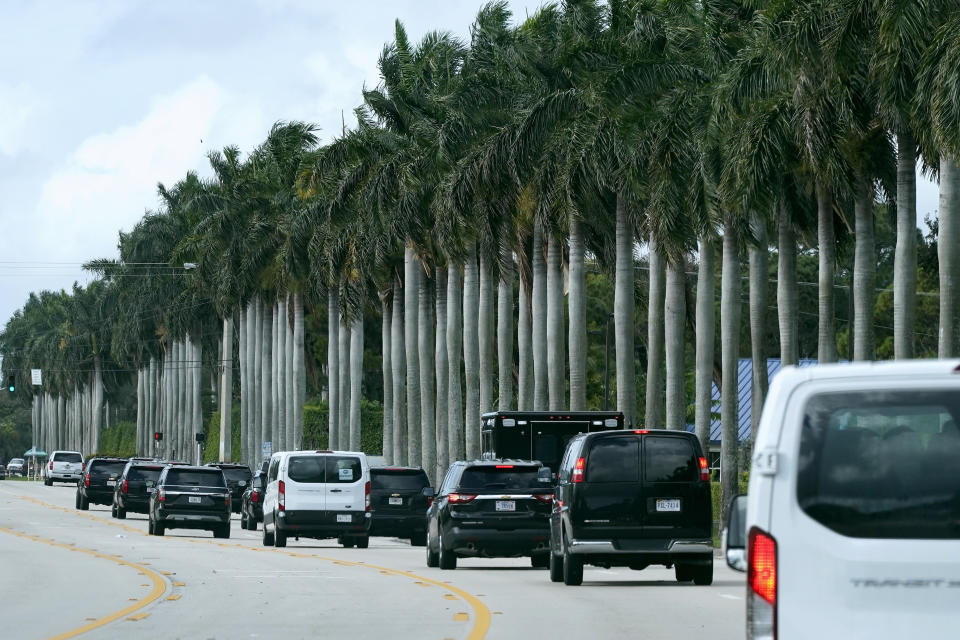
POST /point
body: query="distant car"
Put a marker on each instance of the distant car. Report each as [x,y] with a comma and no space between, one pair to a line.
[189,497]
[99,481]
[251,507]
[238,478]
[398,503]
[633,498]
[64,466]
[490,508]
[3,471]
[17,466]
[134,486]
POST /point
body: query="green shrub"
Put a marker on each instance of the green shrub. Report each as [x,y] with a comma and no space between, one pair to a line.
[316,427]
[119,440]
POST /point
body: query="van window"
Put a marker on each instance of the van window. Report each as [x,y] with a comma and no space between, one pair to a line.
[343,469]
[305,468]
[882,464]
[614,460]
[274,467]
[669,459]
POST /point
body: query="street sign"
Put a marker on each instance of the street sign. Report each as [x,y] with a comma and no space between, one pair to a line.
[35,377]
[267,450]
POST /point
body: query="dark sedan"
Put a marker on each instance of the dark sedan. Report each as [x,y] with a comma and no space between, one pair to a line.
[99,481]
[134,486]
[398,503]
[238,479]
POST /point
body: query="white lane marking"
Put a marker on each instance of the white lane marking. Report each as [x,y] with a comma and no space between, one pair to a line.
[729,597]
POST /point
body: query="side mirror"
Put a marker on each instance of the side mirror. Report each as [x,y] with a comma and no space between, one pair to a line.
[428,492]
[735,534]
[545,475]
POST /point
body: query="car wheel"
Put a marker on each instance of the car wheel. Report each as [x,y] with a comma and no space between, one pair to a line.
[572,568]
[243,519]
[683,572]
[347,543]
[251,524]
[84,504]
[418,539]
[539,560]
[48,482]
[703,575]
[267,537]
[279,538]
[113,510]
[448,558]
[76,501]
[150,527]
[363,542]
[158,529]
[433,558]
[222,531]
[121,514]
[556,567]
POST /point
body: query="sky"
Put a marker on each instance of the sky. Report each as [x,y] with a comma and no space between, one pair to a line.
[100,101]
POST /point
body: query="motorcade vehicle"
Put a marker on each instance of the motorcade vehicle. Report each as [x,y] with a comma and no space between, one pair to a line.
[490,508]
[63,466]
[398,503]
[17,467]
[238,478]
[851,523]
[539,435]
[190,497]
[99,481]
[251,508]
[317,494]
[133,488]
[633,498]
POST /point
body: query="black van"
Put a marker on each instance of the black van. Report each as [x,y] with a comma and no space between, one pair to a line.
[632,499]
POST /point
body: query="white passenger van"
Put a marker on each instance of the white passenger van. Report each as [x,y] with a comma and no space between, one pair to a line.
[852,517]
[317,494]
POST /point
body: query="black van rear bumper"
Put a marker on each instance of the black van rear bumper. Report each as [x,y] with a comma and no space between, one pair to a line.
[642,546]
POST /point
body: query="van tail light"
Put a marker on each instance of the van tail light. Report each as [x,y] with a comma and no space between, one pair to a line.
[124,487]
[461,498]
[86,480]
[281,496]
[578,470]
[254,497]
[226,500]
[544,497]
[704,470]
[429,502]
[366,495]
[51,465]
[161,494]
[761,586]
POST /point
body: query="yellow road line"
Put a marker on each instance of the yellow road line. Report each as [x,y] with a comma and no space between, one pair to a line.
[159,586]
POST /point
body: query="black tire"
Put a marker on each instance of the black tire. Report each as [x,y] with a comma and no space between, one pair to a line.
[158,529]
[279,538]
[223,531]
[703,575]
[572,568]
[243,519]
[363,542]
[251,524]
[433,558]
[113,510]
[683,572]
[121,514]
[556,568]
[267,537]
[418,539]
[48,482]
[84,504]
[539,560]
[448,558]
[76,501]
[150,527]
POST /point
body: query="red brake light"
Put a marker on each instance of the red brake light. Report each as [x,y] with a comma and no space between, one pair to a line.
[461,498]
[504,466]
[254,497]
[86,480]
[641,430]
[544,497]
[366,495]
[761,584]
[226,500]
[578,470]
[51,465]
[162,495]
[124,487]
[281,497]
[429,502]
[704,470]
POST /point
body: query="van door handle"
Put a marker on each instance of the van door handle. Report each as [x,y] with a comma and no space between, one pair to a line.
[336,490]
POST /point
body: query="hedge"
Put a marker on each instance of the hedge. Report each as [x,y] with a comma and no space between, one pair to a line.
[119,440]
[316,427]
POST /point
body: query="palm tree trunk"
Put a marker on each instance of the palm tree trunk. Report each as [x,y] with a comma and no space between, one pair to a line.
[556,336]
[947,242]
[242,355]
[675,316]
[655,336]
[266,373]
[253,428]
[154,407]
[300,371]
[471,354]
[729,355]
[399,360]
[864,274]
[426,345]
[356,379]
[226,390]
[387,377]
[827,248]
[282,374]
[577,310]
[905,259]
[333,366]
[275,374]
[343,432]
[197,381]
[485,320]
[706,326]
[455,436]
[788,307]
[95,423]
[505,332]
[623,312]
[524,348]
[441,362]
[140,412]
[759,277]
[411,302]
[539,317]
[288,382]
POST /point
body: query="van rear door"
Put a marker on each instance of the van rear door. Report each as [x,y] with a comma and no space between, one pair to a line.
[346,486]
[865,510]
[609,501]
[675,503]
[305,489]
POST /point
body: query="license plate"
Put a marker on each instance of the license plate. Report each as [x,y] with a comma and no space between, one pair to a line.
[344,517]
[395,501]
[111,483]
[195,499]
[243,483]
[506,505]
[672,504]
[150,490]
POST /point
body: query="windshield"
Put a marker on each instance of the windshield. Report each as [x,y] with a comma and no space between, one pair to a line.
[882,464]
[16,461]
[195,478]
[107,468]
[398,480]
[144,473]
[67,457]
[236,475]
[508,477]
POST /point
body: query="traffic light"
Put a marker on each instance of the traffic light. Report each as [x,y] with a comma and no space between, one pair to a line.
[201,437]
[11,383]
[157,436]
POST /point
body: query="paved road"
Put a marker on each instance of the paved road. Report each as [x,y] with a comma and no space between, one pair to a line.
[64,571]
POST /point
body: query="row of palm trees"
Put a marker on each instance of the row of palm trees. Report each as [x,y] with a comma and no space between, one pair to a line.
[482,180]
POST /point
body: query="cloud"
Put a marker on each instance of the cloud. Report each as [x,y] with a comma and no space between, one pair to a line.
[19,105]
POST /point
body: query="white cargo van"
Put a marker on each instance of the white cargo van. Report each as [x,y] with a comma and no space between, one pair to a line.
[851,524]
[317,494]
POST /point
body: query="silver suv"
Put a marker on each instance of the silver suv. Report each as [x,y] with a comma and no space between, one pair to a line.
[64,466]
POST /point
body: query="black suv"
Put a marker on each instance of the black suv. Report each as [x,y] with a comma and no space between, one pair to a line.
[251,508]
[238,479]
[191,498]
[490,508]
[99,481]
[399,504]
[134,486]
[632,498]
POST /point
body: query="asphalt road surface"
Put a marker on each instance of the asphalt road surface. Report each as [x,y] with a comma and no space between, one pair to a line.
[68,573]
